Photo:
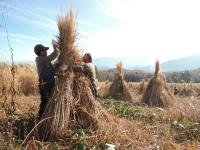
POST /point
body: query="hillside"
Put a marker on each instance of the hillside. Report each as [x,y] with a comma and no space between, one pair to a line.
[105,63]
[186,63]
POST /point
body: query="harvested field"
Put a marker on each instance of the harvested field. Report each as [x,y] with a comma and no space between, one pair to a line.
[138,126]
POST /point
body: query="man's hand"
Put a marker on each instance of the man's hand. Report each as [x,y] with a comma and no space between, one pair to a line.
[55,45]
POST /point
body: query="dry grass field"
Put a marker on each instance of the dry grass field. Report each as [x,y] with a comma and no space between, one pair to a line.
[137,125]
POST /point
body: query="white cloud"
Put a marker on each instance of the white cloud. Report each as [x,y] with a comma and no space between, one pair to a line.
[153,29]
[156,29]
[28,14]
[18,38]
[17,41]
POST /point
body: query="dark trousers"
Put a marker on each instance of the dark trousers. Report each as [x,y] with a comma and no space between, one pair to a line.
[45,93]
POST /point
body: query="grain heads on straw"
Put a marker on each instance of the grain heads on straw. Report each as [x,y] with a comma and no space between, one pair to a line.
[157,68]
[120,71]
[157,92]
[67,39]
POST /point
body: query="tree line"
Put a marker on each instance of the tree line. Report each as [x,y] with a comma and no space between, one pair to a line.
[186,76]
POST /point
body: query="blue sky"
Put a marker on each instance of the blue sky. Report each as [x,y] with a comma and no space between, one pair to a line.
[108,28]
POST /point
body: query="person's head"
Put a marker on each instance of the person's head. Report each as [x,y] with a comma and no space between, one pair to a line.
[40,50]
[87,58]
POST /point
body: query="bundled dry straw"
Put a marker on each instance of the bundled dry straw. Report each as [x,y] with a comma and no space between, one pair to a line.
[119,89]
[72,101]
[157,92]
[142,86]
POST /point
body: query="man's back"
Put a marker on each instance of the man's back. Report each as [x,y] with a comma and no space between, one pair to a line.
[90,71]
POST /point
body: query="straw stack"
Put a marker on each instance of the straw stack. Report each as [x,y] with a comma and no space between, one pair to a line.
[157,92]
[119,89]
[72,101]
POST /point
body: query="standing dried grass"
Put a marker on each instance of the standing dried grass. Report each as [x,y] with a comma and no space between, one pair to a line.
[157,92]
[119,89]
[72,101]
[5,79]
[142,86]
[25,80]
[27,84]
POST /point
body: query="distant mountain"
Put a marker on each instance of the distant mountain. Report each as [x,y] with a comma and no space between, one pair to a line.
[139,64]
[25,62]
[2,59]
[186,63]
[106,63]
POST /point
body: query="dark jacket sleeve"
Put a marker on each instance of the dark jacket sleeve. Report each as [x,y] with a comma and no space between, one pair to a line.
[52,56]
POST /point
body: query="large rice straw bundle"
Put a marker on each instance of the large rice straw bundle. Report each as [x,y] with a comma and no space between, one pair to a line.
[72,101]
[119,89]
[157,92]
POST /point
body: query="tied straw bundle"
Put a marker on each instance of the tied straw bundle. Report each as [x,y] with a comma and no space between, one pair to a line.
[157,92]
[72,101]
[119,89]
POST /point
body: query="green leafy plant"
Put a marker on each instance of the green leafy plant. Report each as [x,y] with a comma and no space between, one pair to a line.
[186,130]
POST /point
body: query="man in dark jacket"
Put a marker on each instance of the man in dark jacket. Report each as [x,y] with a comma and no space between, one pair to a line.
[46,73]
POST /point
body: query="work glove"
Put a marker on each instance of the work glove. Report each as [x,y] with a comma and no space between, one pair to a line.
[64,67]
